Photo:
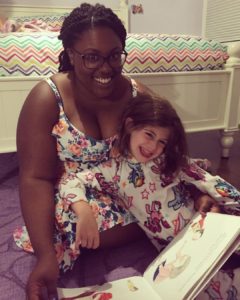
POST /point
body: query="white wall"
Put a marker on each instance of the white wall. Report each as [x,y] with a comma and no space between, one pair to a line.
[168,16]
[160,16]
[67,3]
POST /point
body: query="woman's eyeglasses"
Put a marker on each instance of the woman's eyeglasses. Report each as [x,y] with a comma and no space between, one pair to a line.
[95,61]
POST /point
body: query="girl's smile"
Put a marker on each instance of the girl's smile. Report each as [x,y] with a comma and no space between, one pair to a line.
[148,142]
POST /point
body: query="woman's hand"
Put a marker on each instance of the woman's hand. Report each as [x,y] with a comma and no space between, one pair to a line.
[204,203]
[87,234]
[43,279]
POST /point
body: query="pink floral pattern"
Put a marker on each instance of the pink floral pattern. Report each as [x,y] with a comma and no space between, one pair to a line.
[76,152]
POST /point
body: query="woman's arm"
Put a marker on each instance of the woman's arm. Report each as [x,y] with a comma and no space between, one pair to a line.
[38,164]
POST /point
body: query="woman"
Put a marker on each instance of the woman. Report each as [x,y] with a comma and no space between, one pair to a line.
[67,124]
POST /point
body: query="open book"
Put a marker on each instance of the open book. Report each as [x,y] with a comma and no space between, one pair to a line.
[181,271]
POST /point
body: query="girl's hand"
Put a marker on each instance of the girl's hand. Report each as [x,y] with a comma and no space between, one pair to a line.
[43,279]
[204,203]
[87,234]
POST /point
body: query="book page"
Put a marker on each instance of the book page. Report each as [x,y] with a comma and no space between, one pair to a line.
[192,255]
[134,288]
[213,270]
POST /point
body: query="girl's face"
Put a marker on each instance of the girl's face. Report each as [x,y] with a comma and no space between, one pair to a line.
[148,142]
[92,43]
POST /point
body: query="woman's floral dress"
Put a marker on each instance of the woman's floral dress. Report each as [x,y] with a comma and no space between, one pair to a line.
[76,152]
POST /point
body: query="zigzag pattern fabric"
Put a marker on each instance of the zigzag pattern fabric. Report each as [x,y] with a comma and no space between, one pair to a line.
[25,54]
[28,54]
[54,21]
[149,53]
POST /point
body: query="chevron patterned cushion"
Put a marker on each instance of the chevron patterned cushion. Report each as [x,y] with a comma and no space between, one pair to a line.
[55,21]
[172,53]
[29,53]
[37,53]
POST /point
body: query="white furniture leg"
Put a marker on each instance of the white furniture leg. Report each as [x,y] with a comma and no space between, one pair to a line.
[226,140]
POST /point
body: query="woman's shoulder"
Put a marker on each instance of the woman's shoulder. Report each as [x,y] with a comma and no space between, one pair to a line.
[44,88]
[41,95]
[41,102]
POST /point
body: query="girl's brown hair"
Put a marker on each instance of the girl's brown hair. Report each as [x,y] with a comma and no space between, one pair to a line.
[145,110]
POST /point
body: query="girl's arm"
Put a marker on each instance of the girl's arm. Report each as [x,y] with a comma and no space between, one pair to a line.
[216,187]
[73,193]
[87,234]
[73,186]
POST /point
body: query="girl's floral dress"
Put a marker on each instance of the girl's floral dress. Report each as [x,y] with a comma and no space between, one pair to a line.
[77,152]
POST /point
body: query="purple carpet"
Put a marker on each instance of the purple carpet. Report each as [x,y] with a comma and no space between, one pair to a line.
[93,267]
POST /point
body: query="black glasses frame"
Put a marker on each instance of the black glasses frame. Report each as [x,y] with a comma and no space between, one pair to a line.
[104,59]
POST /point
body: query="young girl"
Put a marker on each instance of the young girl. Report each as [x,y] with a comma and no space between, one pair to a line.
[147,174]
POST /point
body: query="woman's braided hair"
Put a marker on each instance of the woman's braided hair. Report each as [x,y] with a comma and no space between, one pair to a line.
[82,18]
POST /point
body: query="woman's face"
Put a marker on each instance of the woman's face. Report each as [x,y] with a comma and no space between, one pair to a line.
[103,80]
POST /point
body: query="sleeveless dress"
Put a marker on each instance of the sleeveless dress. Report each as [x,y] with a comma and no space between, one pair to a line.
[76,152]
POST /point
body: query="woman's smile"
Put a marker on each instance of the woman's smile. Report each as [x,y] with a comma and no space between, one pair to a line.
[103,81]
